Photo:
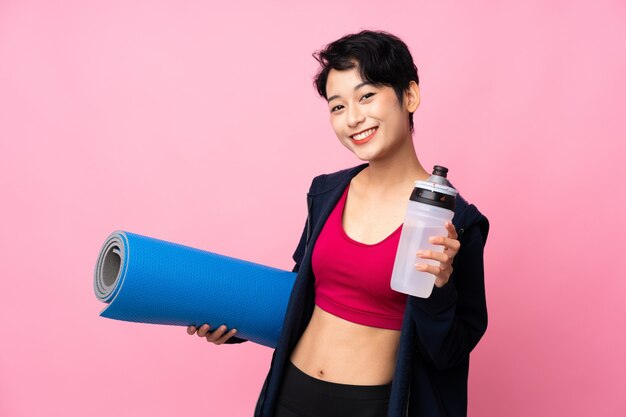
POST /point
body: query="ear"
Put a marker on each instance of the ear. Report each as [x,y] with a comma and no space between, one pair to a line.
[412,97]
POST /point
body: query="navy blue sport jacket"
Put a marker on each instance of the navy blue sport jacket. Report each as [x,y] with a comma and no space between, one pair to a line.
[438,333]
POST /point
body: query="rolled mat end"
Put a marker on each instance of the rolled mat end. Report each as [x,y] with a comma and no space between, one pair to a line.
[147,280]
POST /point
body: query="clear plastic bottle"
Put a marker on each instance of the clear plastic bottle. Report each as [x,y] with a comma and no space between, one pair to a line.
[431,205]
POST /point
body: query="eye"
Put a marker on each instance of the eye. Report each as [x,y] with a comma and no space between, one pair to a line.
[336,108]
[367,95]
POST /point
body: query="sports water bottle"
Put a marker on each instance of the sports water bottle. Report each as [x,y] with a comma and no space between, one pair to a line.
[431,205]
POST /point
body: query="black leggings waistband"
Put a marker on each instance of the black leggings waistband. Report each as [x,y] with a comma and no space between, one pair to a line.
[307,396]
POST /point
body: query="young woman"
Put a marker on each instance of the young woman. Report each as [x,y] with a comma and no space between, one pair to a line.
[351,346]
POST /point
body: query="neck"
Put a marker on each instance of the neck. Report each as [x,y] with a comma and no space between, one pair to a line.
[397,170]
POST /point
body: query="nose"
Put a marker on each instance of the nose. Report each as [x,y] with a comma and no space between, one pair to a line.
[355,116]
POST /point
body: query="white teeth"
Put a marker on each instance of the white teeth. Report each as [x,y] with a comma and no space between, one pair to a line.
[363,135]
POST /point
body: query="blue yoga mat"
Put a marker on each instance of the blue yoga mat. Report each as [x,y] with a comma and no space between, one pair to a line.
[148,280]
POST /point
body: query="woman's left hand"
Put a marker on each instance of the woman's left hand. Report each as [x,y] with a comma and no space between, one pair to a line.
[444,270]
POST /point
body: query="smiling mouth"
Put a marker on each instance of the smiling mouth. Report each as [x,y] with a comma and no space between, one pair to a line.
[364,134]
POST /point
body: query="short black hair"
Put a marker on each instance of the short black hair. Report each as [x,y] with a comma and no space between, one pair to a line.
[382,59]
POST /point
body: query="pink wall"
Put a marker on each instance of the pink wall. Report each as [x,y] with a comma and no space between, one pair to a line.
[161,117]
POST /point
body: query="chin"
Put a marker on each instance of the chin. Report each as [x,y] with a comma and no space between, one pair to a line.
[364,157]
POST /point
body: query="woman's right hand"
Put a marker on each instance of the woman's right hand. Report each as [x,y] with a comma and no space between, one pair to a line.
[217,336]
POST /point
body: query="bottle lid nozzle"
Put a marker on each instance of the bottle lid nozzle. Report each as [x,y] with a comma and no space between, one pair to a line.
[441,171]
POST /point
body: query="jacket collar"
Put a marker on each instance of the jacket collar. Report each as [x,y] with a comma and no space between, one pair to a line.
[465,214]
[338,179]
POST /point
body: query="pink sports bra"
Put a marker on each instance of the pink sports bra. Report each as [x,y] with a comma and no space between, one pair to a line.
[352,279]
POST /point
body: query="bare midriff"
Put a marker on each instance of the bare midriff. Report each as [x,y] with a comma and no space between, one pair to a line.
[336,350]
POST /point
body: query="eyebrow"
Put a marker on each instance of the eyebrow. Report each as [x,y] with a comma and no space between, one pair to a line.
[355,88]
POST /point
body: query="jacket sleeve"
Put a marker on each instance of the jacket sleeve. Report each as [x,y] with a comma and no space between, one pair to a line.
[297,256]
[452,320]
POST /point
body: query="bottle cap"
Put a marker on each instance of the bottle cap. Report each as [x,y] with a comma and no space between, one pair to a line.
[436,191]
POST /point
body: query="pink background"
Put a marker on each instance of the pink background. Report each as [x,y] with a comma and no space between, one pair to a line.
[164,117]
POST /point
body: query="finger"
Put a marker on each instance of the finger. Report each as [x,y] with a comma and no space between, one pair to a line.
[445,269]
[216,334]
[226,336]
[451,231]
[202,331]
[430,254]
[449,243]
[191,329]
[431,269]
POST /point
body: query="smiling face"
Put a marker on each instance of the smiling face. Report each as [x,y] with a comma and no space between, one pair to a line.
[368,119]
